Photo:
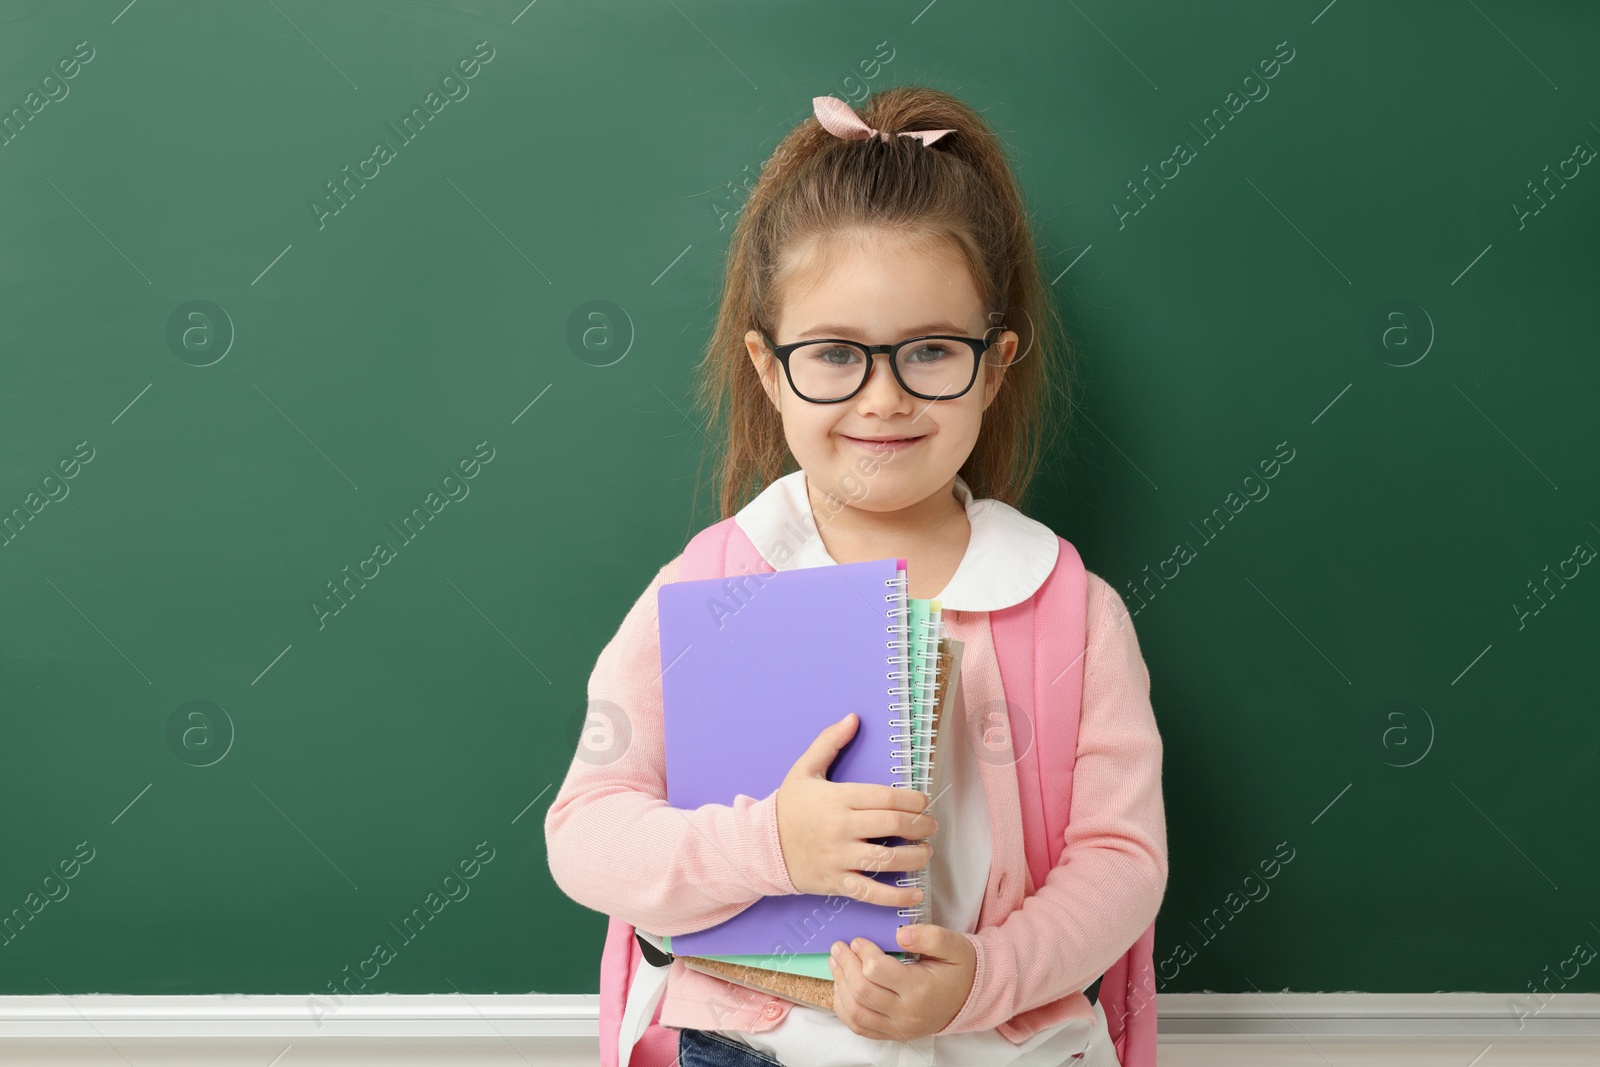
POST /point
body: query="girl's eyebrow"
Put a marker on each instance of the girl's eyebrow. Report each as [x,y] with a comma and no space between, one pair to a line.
[830,330]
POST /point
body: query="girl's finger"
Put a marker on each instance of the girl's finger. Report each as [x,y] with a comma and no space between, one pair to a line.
[882,969]
[844,999]
[847,982]
[867,994]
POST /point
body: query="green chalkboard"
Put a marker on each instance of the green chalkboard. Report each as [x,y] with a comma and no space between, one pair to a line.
[286,282]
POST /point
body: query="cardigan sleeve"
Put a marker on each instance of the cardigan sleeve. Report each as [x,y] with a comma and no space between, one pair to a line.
[613,842]
[1112,873]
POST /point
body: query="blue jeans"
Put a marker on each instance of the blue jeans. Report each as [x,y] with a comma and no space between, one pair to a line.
[707,1048]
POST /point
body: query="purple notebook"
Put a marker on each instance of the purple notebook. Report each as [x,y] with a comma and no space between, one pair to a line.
[754,667]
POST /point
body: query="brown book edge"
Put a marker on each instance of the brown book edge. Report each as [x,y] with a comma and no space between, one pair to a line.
[950,651]
[800,988]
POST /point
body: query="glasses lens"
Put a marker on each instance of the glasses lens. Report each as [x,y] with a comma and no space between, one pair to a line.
[936,367]
[826,370]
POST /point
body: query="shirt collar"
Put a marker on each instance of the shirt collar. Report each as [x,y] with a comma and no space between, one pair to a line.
[1008,556]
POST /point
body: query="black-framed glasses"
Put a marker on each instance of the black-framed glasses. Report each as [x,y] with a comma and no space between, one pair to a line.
[828,370]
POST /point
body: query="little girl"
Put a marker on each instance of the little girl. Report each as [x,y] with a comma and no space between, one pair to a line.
[879,373]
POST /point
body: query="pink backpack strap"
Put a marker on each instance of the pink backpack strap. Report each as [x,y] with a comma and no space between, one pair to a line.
[1058,609]
[1040,645]
[619,962]
[720,549]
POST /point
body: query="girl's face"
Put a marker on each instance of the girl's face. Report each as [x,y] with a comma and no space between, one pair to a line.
[882,450]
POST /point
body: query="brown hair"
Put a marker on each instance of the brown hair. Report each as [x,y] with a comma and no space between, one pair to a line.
[960,189]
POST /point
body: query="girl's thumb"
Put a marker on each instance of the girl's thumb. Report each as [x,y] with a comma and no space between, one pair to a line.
[819,756]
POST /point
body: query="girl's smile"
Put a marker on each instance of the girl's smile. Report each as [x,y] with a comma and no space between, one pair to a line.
[884,444]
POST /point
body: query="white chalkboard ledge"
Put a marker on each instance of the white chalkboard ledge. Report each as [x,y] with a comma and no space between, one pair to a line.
[451,1015]
[1197,1030]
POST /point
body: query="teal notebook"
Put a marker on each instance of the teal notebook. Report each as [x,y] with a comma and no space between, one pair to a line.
[926,632]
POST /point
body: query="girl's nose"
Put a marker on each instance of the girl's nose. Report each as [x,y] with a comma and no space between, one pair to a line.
[882,394]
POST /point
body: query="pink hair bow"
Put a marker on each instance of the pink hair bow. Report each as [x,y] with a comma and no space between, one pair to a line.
[839,119]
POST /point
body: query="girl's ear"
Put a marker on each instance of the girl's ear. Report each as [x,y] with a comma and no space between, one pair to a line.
[766,364]
[996,361]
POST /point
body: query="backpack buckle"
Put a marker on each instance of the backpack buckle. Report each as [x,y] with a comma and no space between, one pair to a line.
[656,958]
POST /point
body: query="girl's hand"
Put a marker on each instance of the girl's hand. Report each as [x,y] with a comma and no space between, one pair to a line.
[878,996]
[824,827]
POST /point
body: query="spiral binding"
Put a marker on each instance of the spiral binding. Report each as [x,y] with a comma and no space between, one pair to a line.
[913,718]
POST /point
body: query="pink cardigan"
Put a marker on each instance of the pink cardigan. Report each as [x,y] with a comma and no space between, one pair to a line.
[616,846]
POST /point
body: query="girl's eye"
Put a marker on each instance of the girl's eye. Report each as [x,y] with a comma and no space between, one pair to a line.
[926,353]
[833,355]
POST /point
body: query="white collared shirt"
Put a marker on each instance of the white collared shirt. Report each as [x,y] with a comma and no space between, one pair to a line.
[1008,557]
